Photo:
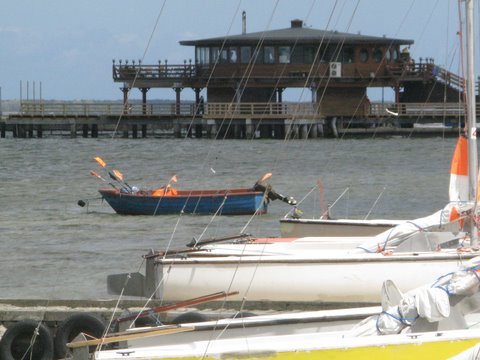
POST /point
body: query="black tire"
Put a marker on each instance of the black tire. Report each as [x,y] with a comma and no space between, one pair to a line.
[189,317]
[15,343]
[74,325]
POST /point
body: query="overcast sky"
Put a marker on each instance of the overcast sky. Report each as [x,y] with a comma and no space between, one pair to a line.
[68,46]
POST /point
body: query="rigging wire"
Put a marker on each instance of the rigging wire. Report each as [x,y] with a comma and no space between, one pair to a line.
[157,20]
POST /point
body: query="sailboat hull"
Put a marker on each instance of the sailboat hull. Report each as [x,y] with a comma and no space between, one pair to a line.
[430,345]
[334,227]
[290,278]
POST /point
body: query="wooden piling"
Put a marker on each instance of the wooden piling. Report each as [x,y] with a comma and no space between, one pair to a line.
[73,130]
[248,129]
[94,131]
[313,131]
[125,132]
[303,131]
[177,130]
[198,131]
[85,130]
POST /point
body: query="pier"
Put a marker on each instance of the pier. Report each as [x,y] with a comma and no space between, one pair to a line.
[38,119]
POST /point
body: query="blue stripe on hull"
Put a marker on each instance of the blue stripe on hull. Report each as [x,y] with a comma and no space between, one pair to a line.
[143,205]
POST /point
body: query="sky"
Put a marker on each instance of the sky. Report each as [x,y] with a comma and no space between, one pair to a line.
[64,49]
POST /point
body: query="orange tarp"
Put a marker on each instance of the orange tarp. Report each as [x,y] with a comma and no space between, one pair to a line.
[161,191]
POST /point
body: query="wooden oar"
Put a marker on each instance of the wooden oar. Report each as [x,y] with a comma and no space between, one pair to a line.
[161,330]
[93,173]
[130,335]
[180,304]
[119,175]
[114,175]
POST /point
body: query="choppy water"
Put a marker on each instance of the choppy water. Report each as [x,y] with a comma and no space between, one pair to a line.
[51,248]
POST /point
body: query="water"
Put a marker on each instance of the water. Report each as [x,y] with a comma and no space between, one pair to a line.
[53,249]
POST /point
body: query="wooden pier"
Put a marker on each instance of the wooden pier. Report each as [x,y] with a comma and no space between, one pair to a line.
[225,120]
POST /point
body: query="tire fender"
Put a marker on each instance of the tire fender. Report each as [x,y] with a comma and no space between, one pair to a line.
[74,325]
[16,341]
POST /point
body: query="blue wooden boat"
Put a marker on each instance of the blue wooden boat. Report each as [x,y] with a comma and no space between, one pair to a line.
[242,201]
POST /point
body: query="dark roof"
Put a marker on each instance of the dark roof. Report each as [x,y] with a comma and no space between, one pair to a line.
[297,34]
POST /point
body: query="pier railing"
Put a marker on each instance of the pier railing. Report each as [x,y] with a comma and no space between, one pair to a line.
[123,72]
[99,109]
[418,109]
[233,110]
[241,110]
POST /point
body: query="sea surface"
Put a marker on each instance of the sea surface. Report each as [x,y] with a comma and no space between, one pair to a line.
[51,248]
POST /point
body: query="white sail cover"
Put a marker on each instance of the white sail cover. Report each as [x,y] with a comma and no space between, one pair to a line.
[430,303]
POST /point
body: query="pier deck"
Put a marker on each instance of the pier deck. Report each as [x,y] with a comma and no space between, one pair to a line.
[227,120]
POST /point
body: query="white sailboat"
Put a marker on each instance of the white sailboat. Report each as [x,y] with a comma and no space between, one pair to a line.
[432,321]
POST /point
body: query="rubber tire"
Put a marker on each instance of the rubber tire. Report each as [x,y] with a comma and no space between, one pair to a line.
[74,325]
[189,317]
[16,340]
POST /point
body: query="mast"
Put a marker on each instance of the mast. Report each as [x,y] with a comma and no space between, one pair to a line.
[471,119]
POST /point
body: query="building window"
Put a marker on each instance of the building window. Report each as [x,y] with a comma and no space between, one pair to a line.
[223,56]
[215,53]
[284,54]
[363,55]
[203,55]
[377,55]
[258,55]
[245,54]
[395,54]
[309,54]
[348,55]
[388,55]
[297,55]
[268,55]
[328,54]
[232,55]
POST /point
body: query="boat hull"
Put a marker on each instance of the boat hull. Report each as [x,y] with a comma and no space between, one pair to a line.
[320,227]
[430,345]
[223,202]
[303,279]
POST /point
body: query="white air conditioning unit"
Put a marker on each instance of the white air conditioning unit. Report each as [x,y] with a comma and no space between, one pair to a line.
[335,69]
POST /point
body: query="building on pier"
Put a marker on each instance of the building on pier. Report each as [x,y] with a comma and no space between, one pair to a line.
[257,67]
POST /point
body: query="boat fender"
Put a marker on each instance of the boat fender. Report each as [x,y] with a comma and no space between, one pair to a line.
[72,326]
[16,341]
[189,317]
